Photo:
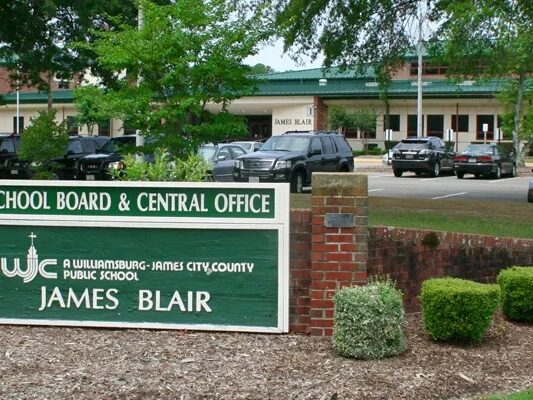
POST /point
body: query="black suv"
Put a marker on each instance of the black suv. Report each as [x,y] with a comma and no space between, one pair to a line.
[97,166]
[64,167]
[293,157]
[9,145]
[426,154]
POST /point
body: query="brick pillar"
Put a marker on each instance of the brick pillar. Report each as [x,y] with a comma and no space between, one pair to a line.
[320,114]
[338,254]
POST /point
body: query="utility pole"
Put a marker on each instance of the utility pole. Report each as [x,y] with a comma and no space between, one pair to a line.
[139,140]
[420,49]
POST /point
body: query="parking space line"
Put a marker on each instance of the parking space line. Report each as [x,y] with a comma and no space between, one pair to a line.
[374,190]
[448,195]
[379,176]
[505,180]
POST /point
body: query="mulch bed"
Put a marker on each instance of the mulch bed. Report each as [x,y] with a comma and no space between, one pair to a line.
[68,363]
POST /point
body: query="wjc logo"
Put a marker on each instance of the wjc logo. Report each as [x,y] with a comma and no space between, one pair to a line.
[33,266]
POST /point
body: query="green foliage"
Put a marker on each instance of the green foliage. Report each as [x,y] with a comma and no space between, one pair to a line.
[369,321]
[187,54]
[44,139]
[523,395]
[516,284]
[192,168]
[261,69]
[458,310]
[340,119]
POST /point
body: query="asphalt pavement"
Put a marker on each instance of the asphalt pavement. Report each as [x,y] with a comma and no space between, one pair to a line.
[382,182]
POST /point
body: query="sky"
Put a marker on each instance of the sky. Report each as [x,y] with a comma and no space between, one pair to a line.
[273,56]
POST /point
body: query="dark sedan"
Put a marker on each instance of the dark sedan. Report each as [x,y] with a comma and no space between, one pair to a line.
[484,160]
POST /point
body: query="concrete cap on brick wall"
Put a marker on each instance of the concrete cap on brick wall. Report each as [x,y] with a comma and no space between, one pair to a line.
[339,184]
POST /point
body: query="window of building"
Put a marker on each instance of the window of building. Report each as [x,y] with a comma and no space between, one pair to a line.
[63,84]
[72,126]
[428,69]
[412,124]
[489,121]
[21,125]
[463,123]
[104,128]
[435,125]
[394,122]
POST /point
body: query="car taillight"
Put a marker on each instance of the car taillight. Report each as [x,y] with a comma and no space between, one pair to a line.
[484,159]
[461,158]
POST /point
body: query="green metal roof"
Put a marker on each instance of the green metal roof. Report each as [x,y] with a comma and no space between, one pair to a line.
[367,88]
[58,96]
[318,73]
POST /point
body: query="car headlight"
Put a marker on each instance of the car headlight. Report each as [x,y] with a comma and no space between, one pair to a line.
[117,165]
[282,164]
[238,164]
[424,152]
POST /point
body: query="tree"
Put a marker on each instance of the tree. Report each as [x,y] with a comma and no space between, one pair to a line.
[492,38]
[260,69]
[186,55]
[362,120]
[43,140]
[349,33]
[36,37]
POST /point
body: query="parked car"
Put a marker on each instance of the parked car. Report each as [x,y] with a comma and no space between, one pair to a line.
[293,157]
[249,146]
[96,166]
[64,167]
[221,158]
[530,191]
[9,145]
[419,155]
[486,160]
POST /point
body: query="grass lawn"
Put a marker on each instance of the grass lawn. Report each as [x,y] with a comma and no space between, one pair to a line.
[481,217]
[525,395]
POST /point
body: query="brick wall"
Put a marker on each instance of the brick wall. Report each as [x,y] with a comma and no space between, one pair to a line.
[409,256]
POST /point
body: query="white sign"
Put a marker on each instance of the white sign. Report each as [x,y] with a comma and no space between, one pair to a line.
[485,127]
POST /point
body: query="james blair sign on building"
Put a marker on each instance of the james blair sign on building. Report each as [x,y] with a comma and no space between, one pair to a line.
[150,255]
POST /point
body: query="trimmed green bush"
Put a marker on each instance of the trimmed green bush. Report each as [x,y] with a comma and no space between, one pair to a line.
[458,310]
[516,284]
[369,321]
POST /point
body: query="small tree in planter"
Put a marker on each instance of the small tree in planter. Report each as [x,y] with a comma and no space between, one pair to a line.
[43,141]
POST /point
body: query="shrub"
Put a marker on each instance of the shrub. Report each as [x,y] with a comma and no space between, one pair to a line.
[369,321]
[458,310]
[516,284]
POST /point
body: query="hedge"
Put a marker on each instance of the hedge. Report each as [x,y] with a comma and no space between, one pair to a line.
[516,284]
[458,310]
[369,321]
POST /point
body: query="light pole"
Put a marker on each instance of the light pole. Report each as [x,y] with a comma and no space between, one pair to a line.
[420,49]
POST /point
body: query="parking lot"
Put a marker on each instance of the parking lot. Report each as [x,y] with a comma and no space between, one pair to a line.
[385,184]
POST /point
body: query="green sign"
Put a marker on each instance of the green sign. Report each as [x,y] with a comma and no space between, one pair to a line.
[129,272]
[141,201]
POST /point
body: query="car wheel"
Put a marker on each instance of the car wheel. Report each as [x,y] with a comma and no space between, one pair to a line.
[397,172]
[436,170]
[498,173]
[460,175]
[297,182]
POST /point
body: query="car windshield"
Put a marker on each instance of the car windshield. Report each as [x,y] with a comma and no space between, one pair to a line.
[286,143]
[7,145]
[478,149]
[413,145]
[207,152]
[109,147]
[245,145]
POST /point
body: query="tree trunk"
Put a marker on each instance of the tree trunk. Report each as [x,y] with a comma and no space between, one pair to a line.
[519,155]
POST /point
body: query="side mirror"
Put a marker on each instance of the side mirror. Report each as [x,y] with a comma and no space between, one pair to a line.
[511,154]
[315,152]
[221,158]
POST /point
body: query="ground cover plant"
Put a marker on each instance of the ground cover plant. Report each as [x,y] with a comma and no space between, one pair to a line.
[458,310]
[505,219]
